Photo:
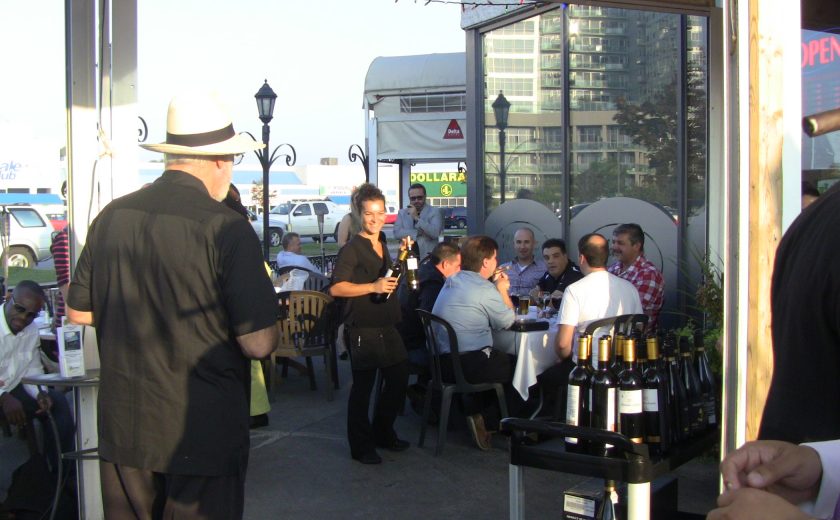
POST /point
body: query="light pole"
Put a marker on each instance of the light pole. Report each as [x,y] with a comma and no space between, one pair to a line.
[501,108]
[265,106]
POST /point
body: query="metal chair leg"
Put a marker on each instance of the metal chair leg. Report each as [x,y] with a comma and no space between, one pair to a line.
[516,491]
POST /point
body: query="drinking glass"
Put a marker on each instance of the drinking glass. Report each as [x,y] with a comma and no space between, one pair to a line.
[524,303]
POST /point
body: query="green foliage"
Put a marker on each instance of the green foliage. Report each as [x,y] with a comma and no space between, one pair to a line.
[18,274]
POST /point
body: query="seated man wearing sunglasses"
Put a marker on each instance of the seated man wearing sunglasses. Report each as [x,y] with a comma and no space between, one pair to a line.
[19,347]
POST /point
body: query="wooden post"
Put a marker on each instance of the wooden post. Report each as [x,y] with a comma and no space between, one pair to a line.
[766,24]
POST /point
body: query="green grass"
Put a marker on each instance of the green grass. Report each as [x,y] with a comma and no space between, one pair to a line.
[18,274]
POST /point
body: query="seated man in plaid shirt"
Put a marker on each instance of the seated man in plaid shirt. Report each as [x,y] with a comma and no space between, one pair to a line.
[628,246]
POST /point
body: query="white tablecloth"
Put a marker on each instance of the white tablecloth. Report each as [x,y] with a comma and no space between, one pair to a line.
[534,353]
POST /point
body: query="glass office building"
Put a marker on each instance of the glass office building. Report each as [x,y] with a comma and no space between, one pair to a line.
[606,104]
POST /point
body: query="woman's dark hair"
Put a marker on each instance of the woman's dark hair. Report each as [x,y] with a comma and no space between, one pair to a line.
[368,191]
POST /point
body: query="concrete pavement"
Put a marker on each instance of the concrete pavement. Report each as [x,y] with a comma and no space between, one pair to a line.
[300,467]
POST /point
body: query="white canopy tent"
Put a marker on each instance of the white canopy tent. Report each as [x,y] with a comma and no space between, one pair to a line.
[416,110]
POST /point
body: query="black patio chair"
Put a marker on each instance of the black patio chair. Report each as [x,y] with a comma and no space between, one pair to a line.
[434,326]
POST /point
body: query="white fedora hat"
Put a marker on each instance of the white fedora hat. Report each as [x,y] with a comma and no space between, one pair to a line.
[200,124]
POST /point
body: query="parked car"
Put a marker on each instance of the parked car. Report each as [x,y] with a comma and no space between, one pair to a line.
[30,236]
[390,214]
[300,216]
[455,217]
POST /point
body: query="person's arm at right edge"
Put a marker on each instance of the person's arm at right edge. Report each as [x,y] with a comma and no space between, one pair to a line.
[767,479]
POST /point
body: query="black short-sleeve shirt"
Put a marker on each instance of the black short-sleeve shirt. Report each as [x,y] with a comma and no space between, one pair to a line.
[805,303]
[570,275]
[358,263]
[172,278]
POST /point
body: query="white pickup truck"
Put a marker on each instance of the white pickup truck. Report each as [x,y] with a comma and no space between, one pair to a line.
[300,216]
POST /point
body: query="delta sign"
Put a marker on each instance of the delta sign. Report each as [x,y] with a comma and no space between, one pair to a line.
[441,184]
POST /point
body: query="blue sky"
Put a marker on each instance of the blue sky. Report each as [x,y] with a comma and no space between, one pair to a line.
[314,54]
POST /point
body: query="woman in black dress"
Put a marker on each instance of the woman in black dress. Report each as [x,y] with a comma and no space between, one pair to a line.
[370,333]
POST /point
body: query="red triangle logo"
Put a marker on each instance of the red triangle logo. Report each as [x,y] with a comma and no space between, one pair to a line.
[453,131]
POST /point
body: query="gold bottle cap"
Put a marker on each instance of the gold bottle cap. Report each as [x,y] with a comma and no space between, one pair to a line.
[652,348]
[629,351]
[603,351]
[583,347]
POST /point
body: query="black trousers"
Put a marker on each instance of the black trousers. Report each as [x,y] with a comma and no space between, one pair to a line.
[362,434]
[138,494]
[485,366]
[61,414]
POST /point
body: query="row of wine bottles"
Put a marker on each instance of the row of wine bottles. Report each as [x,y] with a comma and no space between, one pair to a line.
[405,264]
[632,389]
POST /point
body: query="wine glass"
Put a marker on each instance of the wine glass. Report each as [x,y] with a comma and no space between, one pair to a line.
[545,296]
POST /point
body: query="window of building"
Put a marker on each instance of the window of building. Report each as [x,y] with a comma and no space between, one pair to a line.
[423,103]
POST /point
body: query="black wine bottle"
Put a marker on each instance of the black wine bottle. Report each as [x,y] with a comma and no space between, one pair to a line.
[411,270]
[616,361]
[679,399]
[578,394]
[655,402]
[704,373]
[641,352]
[630,408]
[395,271]
[697,419]
[603,399]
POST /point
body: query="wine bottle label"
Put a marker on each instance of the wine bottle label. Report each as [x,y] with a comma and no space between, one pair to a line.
[710,413]
[650,397]
[389,273]
[579,506]
[411,263]
[630,401]
[572,402]
[610,412]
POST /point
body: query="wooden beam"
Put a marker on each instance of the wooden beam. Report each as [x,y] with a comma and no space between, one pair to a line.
[766,24]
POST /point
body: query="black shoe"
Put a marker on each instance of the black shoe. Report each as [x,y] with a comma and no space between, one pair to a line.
[370,457]
[395,445]
[258,421]
[343,356]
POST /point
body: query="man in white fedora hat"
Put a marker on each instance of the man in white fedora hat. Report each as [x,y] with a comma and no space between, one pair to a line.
[174,283]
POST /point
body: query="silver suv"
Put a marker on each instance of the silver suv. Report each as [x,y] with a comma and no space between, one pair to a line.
[30,236]
[300,216]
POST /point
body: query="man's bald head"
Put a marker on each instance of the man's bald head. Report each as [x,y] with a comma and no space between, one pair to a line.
[594,248]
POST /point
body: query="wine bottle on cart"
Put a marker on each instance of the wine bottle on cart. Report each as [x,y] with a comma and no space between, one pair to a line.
[395,271]
[630,396]
[679,399]
[691,380]
[603,399]
[578,394]
[655,402]
[704,373]
[616,361]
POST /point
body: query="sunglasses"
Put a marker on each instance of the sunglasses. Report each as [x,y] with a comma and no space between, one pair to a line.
[20,309]
[418,197]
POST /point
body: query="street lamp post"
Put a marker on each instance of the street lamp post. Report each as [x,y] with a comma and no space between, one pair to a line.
[501,109]
[265,106]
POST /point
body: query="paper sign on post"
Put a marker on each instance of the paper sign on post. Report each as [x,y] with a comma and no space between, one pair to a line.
[71,358]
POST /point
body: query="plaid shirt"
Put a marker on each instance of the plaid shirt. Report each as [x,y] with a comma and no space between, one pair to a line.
[648,281]
[522,280]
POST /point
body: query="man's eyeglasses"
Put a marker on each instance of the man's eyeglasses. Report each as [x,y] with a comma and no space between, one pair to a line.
[418,197]
[237,158]
[20,309]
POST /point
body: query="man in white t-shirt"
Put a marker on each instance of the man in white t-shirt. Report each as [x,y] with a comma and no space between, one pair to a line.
[597,295]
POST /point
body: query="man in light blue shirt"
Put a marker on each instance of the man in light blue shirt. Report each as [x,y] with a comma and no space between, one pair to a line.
[475,306]
[290,255]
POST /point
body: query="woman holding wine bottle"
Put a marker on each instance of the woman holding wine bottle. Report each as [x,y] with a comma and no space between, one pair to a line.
[365,278]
